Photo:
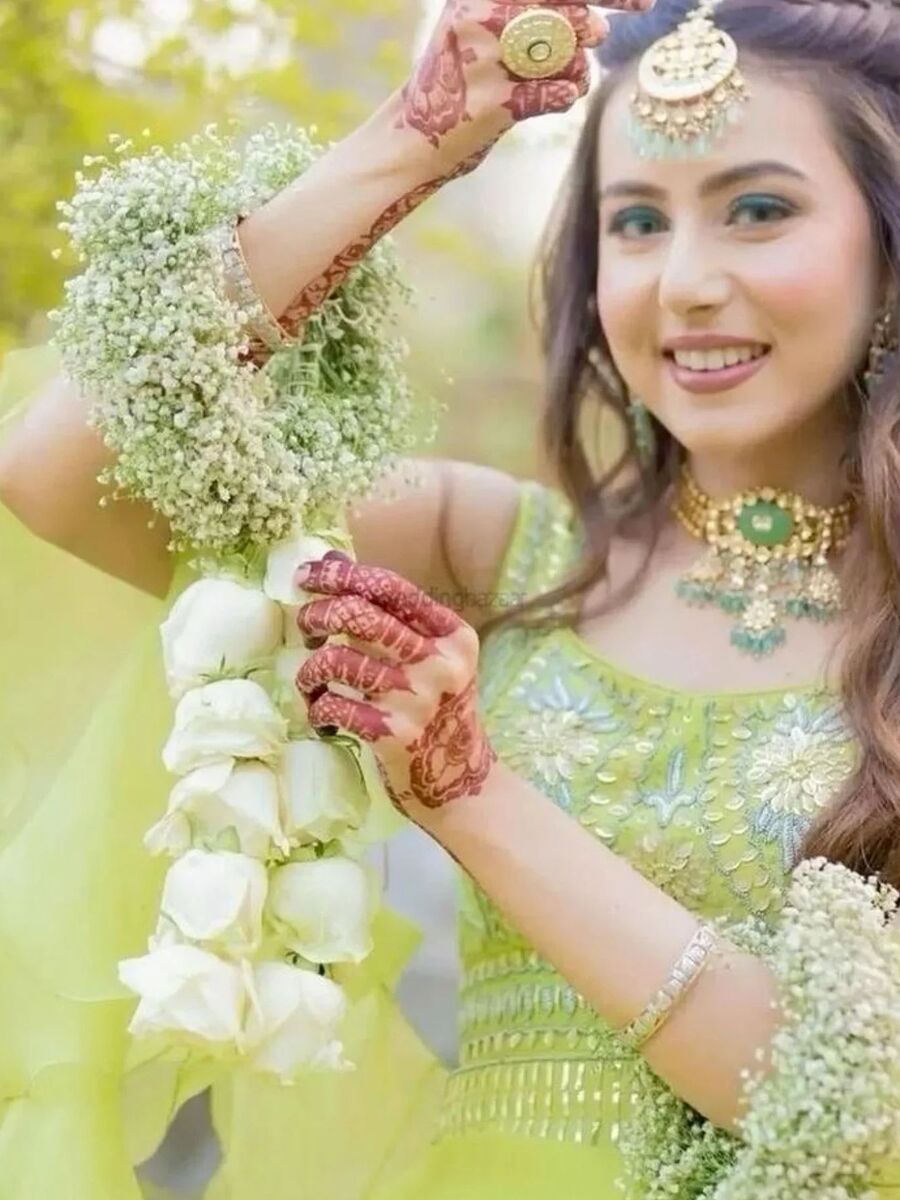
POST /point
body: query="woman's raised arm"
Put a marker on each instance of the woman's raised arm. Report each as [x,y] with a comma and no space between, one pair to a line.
[298,247]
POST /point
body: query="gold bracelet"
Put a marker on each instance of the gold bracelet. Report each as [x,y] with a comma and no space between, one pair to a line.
[262,324]
[686,971]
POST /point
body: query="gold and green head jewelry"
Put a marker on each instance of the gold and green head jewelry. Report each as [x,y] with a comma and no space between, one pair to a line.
[689,89]
[767,559]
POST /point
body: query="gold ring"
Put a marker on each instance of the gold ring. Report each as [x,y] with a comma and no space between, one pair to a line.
[538,44]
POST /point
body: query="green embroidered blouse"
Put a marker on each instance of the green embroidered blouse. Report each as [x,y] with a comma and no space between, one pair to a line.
[706,793]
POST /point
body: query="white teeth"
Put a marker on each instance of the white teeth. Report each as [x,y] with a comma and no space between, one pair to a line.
[715,360]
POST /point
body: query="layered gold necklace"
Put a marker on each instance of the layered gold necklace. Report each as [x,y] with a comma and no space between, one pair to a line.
[767,559]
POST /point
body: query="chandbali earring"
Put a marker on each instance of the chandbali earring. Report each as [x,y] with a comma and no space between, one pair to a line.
[884,345]
[642,428]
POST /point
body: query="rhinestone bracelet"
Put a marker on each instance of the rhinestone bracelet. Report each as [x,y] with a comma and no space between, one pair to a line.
[262,325]
[684,974]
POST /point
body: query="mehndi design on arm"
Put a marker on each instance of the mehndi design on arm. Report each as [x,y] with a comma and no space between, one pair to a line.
[317,292]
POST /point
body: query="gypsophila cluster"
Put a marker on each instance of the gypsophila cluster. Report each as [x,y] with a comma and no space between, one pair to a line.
[822,1121]
[233,457]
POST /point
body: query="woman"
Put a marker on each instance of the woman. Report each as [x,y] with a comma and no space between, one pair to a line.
[629,772]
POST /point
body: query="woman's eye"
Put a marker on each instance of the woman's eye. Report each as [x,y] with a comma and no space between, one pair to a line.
[644,219]
[768,208]
[638,222]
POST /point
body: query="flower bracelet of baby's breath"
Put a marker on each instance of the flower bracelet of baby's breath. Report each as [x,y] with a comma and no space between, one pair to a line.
[160,329]
[819,1113]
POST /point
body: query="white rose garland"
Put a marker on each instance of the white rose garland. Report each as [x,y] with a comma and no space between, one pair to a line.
[251,466]
[259,826]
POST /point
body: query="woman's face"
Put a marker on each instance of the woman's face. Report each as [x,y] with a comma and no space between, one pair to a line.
[781,258]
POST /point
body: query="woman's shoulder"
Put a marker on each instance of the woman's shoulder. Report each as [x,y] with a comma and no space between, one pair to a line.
[506,537]
[480,517]
[474,537]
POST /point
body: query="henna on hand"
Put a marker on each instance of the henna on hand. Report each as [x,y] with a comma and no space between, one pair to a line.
[343,664]
[425,729]
[365,621]
[339,575]
[440,102]
[434,100]
[452,757]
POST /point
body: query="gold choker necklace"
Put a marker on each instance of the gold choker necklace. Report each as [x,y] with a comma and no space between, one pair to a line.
[767,559]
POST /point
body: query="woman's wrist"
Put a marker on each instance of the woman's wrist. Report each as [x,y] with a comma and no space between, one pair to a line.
[464,820]
[301,245]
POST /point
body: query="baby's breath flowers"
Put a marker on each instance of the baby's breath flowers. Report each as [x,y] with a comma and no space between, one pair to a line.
[824,1119]
[233,457]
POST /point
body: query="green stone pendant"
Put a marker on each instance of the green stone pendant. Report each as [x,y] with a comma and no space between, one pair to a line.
[765,523]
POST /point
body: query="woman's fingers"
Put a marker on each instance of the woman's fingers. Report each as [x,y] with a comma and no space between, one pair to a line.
[368,623]
[332,711]
[337,575]
[343,664]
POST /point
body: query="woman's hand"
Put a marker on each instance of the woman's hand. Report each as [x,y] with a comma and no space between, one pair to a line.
[414,663]
[461,98]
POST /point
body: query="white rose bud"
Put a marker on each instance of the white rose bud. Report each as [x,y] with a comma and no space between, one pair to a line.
[218,627]
[216,898]
[226,801]
[286,557]
[323,791]
[293,1021]
[185,991]
[323,909]
[232,718]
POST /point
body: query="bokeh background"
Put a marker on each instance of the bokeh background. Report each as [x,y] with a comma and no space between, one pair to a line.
[73,73]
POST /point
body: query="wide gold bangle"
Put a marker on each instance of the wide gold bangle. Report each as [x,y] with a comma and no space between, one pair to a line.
[684,974]
[263,326]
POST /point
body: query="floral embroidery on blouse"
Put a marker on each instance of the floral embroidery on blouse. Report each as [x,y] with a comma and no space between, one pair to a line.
[795,770]
[675,867]
[555,732]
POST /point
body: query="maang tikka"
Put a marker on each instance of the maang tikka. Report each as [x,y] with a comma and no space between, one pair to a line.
[690,89]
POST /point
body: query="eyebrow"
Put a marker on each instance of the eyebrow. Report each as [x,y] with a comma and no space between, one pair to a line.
[713,183]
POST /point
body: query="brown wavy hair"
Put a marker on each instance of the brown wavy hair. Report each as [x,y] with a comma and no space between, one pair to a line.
[847,53]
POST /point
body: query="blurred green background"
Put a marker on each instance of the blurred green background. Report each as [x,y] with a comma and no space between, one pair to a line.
[74,73]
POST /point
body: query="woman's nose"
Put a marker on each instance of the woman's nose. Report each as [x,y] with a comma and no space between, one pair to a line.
[691,277]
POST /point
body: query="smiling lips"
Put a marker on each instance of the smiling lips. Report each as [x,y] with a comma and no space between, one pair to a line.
[717,358]
[715,369]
